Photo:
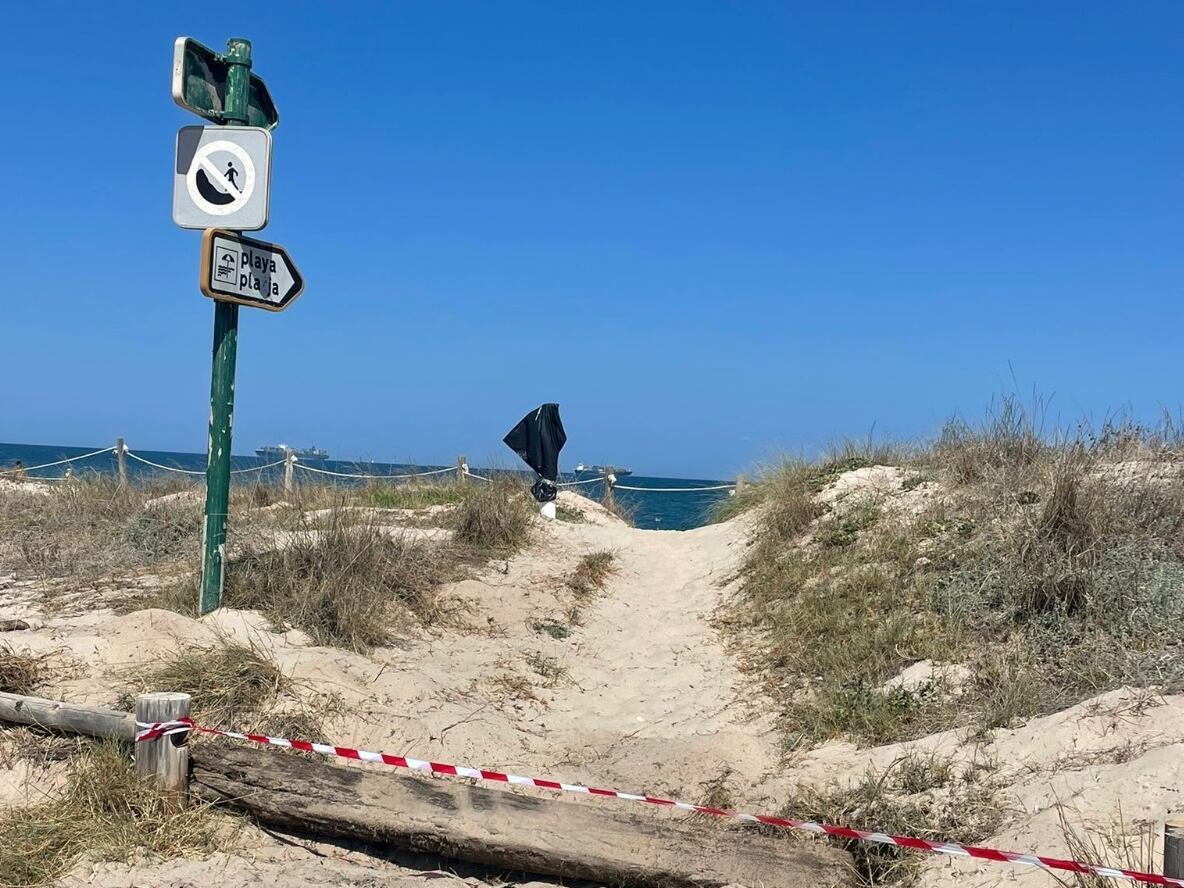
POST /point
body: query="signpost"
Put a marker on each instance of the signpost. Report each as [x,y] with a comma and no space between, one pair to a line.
[222,180]
[248,271]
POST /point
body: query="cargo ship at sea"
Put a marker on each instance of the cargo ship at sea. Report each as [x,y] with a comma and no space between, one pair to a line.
[618,471]
[280,451]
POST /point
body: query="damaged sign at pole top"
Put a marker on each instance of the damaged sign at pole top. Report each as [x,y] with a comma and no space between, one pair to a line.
[538,438]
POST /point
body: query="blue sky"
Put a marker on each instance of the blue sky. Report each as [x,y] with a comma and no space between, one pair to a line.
[711,231]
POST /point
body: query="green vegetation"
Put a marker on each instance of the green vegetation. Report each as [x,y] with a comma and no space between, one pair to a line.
[106,813]
[415,496]
[569,514]
[1050,569]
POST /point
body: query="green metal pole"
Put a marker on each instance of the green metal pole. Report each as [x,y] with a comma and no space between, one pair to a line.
[238,54]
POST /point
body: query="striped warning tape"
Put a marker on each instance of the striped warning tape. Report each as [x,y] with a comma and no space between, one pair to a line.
[153,730]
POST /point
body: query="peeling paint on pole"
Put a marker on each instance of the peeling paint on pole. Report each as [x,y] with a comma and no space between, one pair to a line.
[238,57]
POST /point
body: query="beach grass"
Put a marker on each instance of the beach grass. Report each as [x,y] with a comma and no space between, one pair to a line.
[1066,551]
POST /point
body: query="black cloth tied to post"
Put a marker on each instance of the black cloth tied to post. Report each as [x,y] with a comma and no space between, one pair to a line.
[538,438]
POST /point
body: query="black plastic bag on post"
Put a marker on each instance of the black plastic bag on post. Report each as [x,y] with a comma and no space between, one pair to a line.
[538,438]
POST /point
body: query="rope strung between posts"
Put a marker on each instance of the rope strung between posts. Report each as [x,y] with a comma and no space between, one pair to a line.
[673,489]
[150,731]
[270,465]
[390,477]
[62,462]
[577,483]
[154,465]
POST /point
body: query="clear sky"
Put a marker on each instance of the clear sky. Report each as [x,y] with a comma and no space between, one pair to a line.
[709,230]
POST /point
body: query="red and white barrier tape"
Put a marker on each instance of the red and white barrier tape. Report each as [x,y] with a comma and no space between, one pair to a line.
[153,730]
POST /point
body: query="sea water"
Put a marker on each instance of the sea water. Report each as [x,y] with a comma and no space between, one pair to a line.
[652,511]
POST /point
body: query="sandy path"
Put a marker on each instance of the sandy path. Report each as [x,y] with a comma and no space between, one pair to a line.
[644,696]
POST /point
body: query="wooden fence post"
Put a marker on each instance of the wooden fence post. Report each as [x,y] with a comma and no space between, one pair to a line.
[609,480]
[289,467]
[121,459]
[1173,848]
[740,482]
[165,760]
[462,468]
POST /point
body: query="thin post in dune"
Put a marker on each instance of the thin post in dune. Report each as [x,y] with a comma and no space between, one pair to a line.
[289,468]
[121,459]
[462,468]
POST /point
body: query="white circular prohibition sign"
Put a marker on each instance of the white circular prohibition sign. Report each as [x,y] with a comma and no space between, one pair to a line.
[201,161]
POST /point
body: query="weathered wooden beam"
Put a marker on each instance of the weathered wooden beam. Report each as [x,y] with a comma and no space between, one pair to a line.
[69,718]
[504,829]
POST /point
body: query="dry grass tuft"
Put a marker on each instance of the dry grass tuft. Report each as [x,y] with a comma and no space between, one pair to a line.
[591,574]
[93,526]
[21,673]
[231,684]
[1130,846]
[349,583]
[915,796]
[494,518]
[105,813]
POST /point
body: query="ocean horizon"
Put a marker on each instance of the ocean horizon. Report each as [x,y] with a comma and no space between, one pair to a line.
[649,510]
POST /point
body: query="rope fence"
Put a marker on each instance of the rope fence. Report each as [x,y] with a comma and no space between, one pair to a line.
[305,468]
[62,462]
[120,450]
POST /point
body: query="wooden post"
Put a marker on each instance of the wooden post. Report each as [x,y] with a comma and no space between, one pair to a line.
[1173,848]
[462,468]
[121,459]
[740,482]
[289,467]
[165,760]
[609,480]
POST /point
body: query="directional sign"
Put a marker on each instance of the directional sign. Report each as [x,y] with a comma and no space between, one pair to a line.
[199,85]
[248,271]
[222,178]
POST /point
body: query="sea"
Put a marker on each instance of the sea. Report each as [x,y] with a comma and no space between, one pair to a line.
[657,510]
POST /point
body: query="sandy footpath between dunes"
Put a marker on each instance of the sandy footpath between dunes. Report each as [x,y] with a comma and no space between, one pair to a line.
[644,698]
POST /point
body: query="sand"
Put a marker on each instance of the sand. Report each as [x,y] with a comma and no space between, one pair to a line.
[643,696]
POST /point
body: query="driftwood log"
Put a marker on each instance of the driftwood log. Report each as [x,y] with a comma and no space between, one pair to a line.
[505,830]
[66,718]
[497,828]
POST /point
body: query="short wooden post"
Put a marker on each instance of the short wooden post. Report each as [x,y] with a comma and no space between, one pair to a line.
[69,472]
[121,459]
[165,760]
[1173,848]
[289,468]
[740,482]
[462,468]
[609,480]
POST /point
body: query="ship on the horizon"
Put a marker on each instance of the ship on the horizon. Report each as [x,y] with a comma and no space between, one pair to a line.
[618,471]
[282,450]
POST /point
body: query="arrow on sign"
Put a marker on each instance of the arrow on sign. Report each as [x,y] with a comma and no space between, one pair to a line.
[248,271]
